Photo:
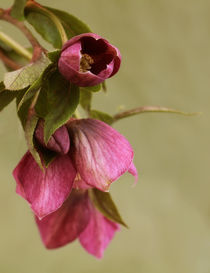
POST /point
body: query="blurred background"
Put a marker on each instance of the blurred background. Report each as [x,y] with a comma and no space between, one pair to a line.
[166,62]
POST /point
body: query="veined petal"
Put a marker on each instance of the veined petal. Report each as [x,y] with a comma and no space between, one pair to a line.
[44,190]
[97,235]
[64,225]
[101,154]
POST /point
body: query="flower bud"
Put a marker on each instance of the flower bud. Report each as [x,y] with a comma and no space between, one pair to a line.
[59,141]
[88,59]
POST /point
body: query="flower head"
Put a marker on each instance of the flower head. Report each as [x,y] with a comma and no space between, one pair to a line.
[88,59]
[98,155]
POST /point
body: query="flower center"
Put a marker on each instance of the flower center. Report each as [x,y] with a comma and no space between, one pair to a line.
[86,62]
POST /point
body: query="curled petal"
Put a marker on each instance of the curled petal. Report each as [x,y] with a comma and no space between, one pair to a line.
[64,225]
[44,190]
[101,154]
[132,170]
[59,141]
[98,234]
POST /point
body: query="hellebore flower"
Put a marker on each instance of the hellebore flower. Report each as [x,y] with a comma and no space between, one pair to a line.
[88,59]
[77,218]
[46,190]
[98,156]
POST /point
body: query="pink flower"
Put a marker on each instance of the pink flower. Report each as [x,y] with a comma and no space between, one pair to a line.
[98,156]
[88,60]
[77,218]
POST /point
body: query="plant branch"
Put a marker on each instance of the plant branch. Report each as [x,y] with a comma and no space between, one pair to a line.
[37,48]
[149,109]
[16,46]
[8,62]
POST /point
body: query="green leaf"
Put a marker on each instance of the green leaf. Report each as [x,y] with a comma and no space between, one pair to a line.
[45,27]
[101,116]
[25,76]
[23,110]
[54,55]
[105,204]
[72,25]
[18,9]
[30,127]
[6,97]
[35,87]
[57,102]
[85,99]
[94,88]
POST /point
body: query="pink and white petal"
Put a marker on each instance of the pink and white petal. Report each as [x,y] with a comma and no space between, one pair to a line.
[44,190]
[132,170]
[65,225]
[101,154]
[98,234]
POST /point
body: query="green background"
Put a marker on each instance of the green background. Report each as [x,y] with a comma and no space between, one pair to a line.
[166,61]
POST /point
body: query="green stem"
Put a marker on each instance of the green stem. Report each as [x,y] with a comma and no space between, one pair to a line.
[14,45]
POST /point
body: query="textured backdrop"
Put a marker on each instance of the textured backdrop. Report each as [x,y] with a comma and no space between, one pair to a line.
[166,61]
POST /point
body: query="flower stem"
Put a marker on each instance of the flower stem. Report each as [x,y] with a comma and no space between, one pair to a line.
[150,109]
[37,48]
[8,62]
[16,46]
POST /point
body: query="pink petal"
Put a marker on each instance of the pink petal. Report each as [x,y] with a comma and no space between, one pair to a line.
[59,141]
[97,235]
[80,184]
[132,170]
[101,154]
[44,190]
[64,225]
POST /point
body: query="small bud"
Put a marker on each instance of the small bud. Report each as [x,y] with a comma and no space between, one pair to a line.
[59,141]
[88,59]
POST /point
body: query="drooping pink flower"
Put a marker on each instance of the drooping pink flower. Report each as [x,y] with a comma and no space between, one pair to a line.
[98,156]
[46,190]
[88,60]
[77,218]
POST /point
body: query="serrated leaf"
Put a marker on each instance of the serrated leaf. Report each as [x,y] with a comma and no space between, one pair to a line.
[105,204]
[57,102]
[43,24]
[5,98]
[101,116]
[72,25]
[18,9]
[22,78]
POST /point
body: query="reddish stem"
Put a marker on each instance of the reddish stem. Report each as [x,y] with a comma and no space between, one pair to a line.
[8,62]
[37,48]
